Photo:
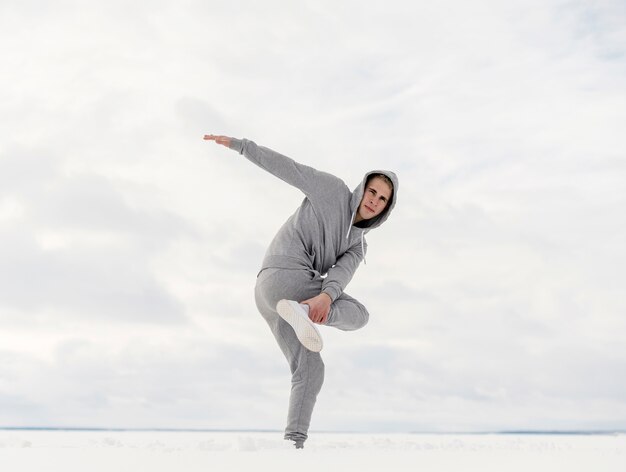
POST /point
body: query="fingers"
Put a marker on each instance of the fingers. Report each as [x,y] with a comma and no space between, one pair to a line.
[314,313]
[317,315]
[321,319]
[217,139]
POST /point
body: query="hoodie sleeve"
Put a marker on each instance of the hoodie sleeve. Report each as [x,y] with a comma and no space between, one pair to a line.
[313,183]
[342,272]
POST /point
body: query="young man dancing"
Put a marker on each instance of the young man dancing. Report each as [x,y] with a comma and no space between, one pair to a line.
[310,262]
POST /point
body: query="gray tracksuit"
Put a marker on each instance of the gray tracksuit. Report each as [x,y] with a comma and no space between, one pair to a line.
[317,249]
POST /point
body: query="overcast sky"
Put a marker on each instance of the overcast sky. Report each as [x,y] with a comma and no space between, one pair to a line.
[129,246]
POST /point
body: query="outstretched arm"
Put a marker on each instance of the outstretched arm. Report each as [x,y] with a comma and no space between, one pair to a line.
[318,186]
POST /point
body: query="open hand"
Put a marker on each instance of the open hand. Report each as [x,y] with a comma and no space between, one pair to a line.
[319,308]
[223,140]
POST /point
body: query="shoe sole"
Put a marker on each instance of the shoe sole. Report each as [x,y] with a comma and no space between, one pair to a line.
[306,332]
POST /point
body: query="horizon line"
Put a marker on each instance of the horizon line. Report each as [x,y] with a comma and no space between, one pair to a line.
[259,430]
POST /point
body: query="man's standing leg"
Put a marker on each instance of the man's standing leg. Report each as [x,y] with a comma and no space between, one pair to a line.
[307,367]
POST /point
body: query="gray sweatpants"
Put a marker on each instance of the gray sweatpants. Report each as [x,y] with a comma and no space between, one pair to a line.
[307,368]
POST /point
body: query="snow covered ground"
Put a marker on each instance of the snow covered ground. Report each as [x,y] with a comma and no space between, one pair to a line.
[68,451]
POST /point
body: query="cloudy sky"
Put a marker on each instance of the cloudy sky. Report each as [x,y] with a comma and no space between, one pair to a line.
[129,246]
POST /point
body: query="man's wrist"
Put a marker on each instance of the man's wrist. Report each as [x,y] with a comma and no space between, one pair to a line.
[330,299]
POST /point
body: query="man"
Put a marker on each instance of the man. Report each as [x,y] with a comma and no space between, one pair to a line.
[309,263]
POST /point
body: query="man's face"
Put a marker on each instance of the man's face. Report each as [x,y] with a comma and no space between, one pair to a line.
[375,198]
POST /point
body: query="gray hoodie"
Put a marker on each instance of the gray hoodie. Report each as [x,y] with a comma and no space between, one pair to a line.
[319,236]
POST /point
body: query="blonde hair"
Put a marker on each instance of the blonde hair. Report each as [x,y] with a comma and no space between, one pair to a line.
[386,179]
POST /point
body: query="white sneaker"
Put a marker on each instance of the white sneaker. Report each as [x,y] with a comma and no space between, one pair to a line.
[297,315]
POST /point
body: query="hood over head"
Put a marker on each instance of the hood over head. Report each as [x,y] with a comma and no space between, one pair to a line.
[357,196]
